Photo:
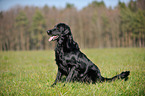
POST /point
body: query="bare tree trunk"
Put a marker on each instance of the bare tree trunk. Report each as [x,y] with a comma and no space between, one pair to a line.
[108,41]
[122,41]
[134,43]
[126,39]
[0,46]
[22,42]
[45,43]
[139,39]
[113,40]
[118,41]
[143,40]
[129,39]
[81,33]
[27,42]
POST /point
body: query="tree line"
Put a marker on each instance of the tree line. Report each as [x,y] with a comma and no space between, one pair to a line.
[95,26]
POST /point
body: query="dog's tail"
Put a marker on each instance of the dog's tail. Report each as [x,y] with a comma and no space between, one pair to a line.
[123,75]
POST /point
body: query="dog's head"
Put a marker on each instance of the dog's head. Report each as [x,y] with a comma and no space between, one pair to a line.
[62,34]
[59,32]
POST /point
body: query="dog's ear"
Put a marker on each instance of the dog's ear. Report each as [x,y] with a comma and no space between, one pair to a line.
[66,31]
[61,29]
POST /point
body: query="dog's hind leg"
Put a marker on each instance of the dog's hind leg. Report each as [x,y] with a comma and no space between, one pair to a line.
[71,74]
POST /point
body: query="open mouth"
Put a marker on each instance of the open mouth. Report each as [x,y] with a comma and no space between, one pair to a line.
[53,38]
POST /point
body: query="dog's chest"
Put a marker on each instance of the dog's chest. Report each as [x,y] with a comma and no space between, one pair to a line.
[60,58]
[61,62]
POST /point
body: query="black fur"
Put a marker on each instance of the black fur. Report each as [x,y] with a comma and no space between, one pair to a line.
[71,62]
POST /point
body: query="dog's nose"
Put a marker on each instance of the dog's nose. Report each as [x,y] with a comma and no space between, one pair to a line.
[48,32]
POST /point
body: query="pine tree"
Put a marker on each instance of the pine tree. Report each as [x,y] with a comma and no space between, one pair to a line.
[139,27]
[38,30]
[21,24]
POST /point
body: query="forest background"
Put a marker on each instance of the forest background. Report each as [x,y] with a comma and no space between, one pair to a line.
[94,26]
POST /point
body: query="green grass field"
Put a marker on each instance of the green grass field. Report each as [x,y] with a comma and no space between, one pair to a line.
[32,73]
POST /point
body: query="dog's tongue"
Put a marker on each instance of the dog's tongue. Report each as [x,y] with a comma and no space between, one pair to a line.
[51,38]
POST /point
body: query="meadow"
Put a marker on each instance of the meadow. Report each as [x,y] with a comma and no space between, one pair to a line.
[31,73]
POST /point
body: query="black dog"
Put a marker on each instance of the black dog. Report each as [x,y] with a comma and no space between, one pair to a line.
[72,62]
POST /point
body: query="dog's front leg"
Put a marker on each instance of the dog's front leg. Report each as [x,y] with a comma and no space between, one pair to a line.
[70,75]
[58,77]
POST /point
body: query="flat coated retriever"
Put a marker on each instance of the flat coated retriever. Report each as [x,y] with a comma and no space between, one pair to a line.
[72,62]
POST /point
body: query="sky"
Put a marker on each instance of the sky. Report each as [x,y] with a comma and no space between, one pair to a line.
[79,4]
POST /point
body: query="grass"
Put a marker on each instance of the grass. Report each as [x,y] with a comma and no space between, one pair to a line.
[32,72]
